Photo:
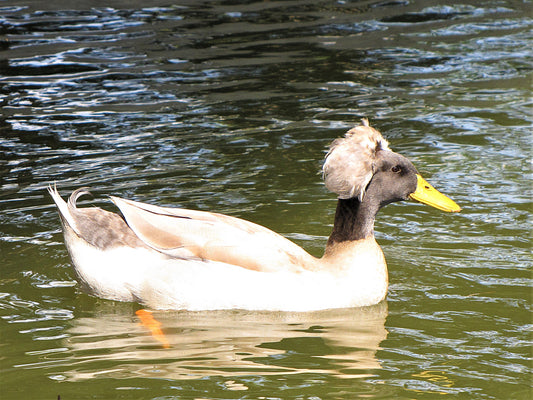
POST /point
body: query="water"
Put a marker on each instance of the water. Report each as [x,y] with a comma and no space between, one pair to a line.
[229,106]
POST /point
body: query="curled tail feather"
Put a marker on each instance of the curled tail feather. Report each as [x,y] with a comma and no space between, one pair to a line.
[76,195]
[66,210]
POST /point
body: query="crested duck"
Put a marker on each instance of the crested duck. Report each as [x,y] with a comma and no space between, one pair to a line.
[172,258]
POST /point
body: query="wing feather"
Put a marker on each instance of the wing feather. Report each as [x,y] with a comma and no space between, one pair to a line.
[209,236]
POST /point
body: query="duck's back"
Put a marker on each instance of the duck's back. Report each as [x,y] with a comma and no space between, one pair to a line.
[199,235]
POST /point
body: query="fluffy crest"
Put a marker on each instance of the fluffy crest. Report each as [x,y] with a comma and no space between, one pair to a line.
[349,163]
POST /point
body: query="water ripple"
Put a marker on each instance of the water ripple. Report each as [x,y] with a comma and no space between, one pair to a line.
[230,107]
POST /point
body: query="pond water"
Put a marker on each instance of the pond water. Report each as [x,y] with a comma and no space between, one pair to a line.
[228,106]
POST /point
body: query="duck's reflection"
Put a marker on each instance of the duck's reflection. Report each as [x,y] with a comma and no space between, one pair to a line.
[226,343]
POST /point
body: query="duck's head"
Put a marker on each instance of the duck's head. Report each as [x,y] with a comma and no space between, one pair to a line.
[362,165]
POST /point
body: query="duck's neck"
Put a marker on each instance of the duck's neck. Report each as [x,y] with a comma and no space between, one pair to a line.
[354,220]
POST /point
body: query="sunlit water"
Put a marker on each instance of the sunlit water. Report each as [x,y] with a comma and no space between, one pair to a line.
[229,107]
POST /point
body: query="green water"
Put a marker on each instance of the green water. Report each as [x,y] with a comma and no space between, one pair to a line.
[229,107]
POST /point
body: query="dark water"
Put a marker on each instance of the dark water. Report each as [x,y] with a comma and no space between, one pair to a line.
[228,106]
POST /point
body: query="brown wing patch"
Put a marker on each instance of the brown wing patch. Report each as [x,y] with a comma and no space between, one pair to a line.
[104,229]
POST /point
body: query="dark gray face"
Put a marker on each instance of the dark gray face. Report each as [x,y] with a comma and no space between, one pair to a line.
[394,178]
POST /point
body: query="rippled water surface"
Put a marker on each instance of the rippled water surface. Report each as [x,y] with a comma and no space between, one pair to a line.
[229,106]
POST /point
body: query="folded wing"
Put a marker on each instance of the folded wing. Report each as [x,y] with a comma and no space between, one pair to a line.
[203,235]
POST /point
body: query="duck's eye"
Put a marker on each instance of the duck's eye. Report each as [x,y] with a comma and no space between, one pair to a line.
[396,169]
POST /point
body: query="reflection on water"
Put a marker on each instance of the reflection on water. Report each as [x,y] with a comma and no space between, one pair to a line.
[341,342]
[228,107]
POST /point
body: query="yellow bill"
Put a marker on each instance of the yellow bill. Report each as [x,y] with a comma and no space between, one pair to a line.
[427,194]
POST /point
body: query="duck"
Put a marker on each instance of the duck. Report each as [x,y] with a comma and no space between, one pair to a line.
[169,258]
